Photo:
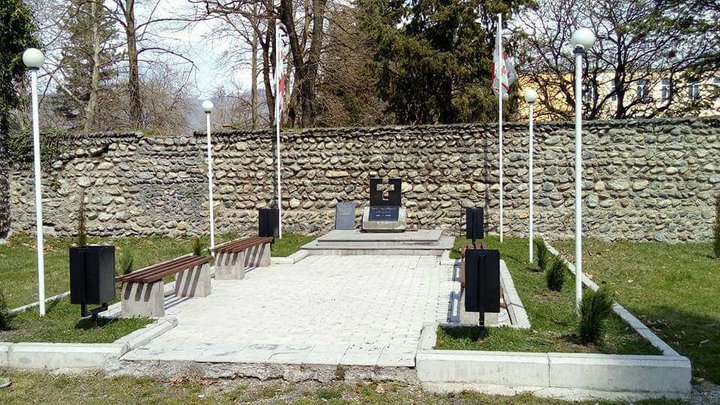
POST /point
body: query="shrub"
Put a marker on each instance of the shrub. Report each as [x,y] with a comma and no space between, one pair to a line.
[5,315]
[127,262]
[555,276]
[81,230]
[542,255]
[595,307]
[716,245]
[197,247]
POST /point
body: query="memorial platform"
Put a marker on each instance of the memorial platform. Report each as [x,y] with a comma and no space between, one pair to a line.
[354,242]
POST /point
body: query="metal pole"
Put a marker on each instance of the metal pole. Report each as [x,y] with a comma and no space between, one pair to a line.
[530,183]
[278,57]
[500,117]
[38,194]
[210,187]
[578,176]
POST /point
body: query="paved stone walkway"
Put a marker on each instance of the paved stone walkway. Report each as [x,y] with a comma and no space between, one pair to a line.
[350,310]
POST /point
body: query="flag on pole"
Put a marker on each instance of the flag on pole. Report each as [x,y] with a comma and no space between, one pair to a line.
[281,52]
[503,67]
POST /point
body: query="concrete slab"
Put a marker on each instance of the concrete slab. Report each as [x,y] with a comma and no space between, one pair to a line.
[62,356]
[4,349]
[651,374]
[310,312]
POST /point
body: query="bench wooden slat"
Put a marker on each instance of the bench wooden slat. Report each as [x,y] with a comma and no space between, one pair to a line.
[238,245]
[156,272]
[159,267]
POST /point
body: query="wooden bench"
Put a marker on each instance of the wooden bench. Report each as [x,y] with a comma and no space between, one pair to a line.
[143,290]
[233,258]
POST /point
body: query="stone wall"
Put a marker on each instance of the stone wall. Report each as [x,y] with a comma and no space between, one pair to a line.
[643,180]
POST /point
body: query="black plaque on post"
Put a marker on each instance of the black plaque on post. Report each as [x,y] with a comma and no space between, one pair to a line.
[475,223]
[385,192]
[268,220]
[482,280]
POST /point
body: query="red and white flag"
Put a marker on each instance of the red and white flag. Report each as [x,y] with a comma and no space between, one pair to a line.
[281,52]
[503,74]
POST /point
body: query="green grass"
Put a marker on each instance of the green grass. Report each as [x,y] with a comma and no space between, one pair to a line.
[18,259]
[674,289]
[62,324]
[95,389]
[290,243]
[552,315]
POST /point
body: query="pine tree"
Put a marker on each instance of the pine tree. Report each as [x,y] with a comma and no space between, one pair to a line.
[17,33]
[89,62]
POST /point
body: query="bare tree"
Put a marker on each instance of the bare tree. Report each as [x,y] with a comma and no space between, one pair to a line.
[639,44]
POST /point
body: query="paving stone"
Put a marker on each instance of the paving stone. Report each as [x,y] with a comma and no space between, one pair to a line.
[354,310]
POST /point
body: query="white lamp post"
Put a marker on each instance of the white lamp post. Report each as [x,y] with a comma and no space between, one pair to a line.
[582,40]
[33,59]
[207,105]
[530,97]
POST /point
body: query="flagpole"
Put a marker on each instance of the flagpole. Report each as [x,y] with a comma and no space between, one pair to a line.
[500,118]
[278,57]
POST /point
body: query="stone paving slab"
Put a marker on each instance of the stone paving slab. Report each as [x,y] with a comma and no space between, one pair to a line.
[323,310]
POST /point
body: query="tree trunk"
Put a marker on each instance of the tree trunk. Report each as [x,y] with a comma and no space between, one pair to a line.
[91,108]
[134,73]
[253,81]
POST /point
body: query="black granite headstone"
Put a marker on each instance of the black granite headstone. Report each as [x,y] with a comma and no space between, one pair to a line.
[385,192]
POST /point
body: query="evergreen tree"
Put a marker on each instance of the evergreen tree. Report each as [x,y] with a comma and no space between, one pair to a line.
[89,60]
[17,33]
[435,57]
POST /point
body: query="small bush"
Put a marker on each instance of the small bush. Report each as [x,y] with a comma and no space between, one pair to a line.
[81,230]
[716,245]
[127,262]
[197,247]
[555,276]
[595,307]
[542,255]
[5,315]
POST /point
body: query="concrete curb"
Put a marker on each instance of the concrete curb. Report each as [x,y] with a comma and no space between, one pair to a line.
[574,376]
[78,357]
[292,259]
[518,316]
[623,313]
[36,303]
[59,356]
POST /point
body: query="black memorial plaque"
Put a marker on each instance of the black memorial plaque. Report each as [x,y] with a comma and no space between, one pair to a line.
[384,213]
[385,192]
[482,280]
[474,223]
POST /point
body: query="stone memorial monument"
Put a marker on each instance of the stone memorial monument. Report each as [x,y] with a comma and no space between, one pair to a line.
[345,216]
[385,212]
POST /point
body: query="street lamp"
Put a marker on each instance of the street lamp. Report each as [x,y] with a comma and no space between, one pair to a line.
[33,59]
[530,98]
[207,106]
[582,40]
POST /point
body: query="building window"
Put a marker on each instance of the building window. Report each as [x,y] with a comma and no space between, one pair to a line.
[589,95]
[666,89]
[642,91]
[614,94]
[694,90]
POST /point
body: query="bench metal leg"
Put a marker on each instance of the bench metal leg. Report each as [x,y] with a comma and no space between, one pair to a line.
[230,266]
[140,299]
[193,282]
[258,256]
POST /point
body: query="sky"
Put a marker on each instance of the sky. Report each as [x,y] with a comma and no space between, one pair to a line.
[196,42]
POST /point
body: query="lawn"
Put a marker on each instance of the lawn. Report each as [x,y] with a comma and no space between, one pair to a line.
[32,388]
[674,289]
[62,324]
[552,315]
[18,260]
